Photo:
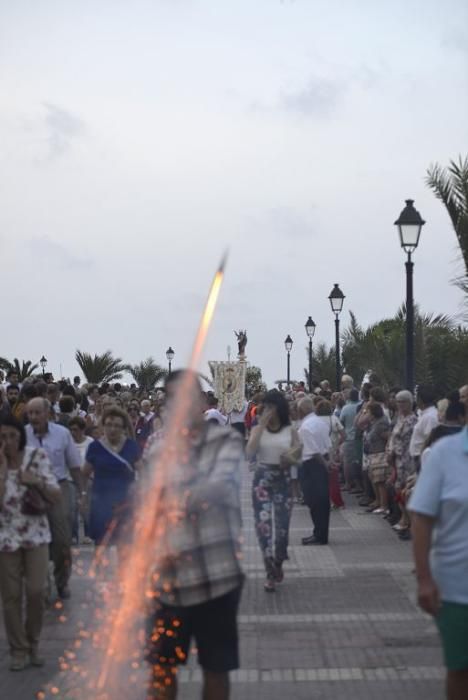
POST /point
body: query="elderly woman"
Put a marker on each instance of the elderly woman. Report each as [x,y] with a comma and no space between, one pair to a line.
[375,442]
[399,455]
[113,461]
[324,411]
[24,540]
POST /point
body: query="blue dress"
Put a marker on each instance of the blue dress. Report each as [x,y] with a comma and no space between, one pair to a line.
[111,490]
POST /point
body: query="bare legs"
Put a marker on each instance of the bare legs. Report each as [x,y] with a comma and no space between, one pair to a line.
[163,685]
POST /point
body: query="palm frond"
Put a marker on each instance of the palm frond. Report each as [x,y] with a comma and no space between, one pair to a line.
[100,368]
[450,185]
[147,373]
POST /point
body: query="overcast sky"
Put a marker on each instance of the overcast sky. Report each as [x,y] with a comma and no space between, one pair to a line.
[139,139]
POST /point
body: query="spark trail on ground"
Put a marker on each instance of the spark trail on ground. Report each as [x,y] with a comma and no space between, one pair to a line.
[118,638]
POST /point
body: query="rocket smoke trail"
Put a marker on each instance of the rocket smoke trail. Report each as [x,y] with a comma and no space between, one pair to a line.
[117,640]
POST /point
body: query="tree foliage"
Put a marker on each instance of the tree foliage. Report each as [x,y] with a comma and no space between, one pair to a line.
[25,368]
[100,368]
[323,363]
[147,374]
[253,380]
[441,349]
[4,364]
[450,185]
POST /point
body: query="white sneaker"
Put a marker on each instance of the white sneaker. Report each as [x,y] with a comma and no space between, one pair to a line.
[398,527]
[378,511]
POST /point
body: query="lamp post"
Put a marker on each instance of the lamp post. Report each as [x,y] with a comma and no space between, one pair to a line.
[170,356]
[337,298]
[409,225]
[43,363]
[310,330]
[288,343]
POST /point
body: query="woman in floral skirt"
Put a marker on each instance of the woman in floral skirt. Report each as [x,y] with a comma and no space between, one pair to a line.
[275,445]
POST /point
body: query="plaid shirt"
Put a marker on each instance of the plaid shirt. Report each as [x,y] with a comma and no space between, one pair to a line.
[204,560]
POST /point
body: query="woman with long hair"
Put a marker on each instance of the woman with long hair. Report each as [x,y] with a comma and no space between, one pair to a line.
[275,444]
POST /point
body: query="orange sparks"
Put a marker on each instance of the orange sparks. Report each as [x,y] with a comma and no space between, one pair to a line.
[156,512]
[208,314]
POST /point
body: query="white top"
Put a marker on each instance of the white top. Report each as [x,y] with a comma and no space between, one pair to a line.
[334,428]
[214,414]
[273,445]
[83,447]
[239,416]
[441,492]
[59,447]
[428,419]
[314,434]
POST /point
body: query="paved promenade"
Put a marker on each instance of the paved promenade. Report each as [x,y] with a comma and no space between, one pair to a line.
[342,625]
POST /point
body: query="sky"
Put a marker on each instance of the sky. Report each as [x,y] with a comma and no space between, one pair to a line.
[141,139]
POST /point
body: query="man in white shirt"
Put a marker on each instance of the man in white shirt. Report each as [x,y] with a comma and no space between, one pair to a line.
[314,434]
[65,462]
[212,414]
[428,418]
[237,418]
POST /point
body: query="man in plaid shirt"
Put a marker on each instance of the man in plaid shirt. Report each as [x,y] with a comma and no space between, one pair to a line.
[199,583]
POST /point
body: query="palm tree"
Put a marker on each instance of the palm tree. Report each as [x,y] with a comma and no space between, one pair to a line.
[440,349]
[323,364]
[450,185]
[4,364]
[147,374]
[25,369]
[100,368]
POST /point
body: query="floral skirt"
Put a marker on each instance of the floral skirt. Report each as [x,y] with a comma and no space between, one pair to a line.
[272,505]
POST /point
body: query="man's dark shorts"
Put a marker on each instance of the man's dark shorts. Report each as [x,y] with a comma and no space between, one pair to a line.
[213,626]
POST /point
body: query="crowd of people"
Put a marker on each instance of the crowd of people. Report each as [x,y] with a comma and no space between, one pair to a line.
[70,456]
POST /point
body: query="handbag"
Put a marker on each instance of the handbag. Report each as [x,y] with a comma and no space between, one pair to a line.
[33,502]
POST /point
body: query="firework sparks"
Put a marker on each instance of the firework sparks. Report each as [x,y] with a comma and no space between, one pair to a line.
[117,639]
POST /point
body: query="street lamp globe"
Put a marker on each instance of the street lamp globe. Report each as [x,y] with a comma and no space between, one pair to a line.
[336,298]
[288,343]
[170,354]
[409,225]
[310,327]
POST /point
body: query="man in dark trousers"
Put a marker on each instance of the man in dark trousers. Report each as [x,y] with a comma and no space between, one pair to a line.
[314,434]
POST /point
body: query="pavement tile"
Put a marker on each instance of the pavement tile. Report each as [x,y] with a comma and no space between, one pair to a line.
[344,624]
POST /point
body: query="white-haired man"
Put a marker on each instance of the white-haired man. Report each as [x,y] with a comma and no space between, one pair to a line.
[315,437]
[65,460]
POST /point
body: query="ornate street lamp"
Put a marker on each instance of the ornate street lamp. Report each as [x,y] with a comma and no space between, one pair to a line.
[310,330]
[43,363]
[170,356]
[409,225]
[337,298]
[288,343]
